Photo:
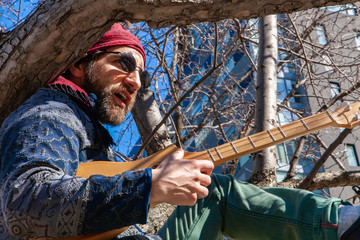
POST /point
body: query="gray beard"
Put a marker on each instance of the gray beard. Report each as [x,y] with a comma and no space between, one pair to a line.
[109,112]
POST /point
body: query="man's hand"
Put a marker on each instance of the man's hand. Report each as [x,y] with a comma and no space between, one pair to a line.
[180,182]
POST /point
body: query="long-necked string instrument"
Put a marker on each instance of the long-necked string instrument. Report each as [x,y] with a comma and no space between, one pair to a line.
[346,117]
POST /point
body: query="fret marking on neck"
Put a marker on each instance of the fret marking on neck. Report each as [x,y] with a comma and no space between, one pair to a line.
[331,117]
[272,137]
[282,133]
[306,126]
[234,148]
[251,141]
[211,156]
[218,153]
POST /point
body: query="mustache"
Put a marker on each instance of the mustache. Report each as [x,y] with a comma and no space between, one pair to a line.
[113,89]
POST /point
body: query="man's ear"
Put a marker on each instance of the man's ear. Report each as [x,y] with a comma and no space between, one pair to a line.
[77,74]
[77,70]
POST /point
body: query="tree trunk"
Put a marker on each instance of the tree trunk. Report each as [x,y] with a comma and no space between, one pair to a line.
[264,168]
[59,32]
[174,83]
[147,116]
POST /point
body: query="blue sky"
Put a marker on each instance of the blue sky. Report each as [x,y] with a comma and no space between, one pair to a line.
[14,12]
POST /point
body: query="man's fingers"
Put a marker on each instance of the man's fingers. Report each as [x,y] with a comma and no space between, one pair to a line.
[207,170]
[178,154]
[199,191]
[205,166]
[194,198]
[203,193]
[199,185]
[205,180]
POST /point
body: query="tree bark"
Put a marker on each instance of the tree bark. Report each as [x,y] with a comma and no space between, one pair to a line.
[326,180]
[264,167]
[147,116]
[295,159]
[59,32]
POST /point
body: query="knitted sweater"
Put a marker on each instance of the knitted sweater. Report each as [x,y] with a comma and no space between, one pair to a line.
[41,146]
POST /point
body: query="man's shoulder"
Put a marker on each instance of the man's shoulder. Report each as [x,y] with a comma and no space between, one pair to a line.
[46,104]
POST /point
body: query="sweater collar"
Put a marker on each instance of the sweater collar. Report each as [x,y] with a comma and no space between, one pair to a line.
[87,102]
[71,89]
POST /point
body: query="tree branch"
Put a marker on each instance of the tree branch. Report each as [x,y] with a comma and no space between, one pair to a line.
[175,106]
[308,179]
[326,180]
[59,32]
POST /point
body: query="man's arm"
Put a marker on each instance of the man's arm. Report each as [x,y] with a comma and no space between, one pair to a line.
[41,197]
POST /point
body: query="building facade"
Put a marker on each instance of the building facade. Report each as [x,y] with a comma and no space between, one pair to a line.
[318,52]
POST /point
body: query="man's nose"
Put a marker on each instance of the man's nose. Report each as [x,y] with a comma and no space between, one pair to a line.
[132,80]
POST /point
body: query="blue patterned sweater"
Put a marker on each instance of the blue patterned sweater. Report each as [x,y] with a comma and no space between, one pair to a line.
[42,144]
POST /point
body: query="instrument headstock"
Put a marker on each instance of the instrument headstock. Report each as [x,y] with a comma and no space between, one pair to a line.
[347,116]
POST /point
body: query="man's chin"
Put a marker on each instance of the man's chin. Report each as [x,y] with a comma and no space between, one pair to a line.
[111,113]
[114,117]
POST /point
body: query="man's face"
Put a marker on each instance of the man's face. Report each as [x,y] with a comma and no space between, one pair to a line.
[115,88]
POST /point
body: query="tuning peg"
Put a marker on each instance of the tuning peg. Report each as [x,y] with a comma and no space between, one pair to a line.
[356,117]
[347,105]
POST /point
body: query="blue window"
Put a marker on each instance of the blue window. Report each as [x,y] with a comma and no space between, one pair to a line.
[285,86]
[357,40]
[328,63]
[351,155]
[348,9]
[320,30]
[335,88]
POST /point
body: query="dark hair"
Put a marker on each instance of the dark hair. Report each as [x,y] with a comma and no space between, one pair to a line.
[86,60]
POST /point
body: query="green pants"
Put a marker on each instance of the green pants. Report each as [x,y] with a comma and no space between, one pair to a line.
[240,210]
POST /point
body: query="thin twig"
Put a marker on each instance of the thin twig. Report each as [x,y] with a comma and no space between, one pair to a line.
[307,180]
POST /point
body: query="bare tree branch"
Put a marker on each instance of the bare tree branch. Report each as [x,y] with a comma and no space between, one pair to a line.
[60,32]
[307,180]
[327,180]
[146,142]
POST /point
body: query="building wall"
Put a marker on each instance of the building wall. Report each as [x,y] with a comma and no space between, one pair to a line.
[339,37]
[341,41]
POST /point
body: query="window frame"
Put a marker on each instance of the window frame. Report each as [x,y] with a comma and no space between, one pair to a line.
[353,153]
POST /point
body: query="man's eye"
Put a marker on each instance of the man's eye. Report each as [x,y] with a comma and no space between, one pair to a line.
[127,62]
